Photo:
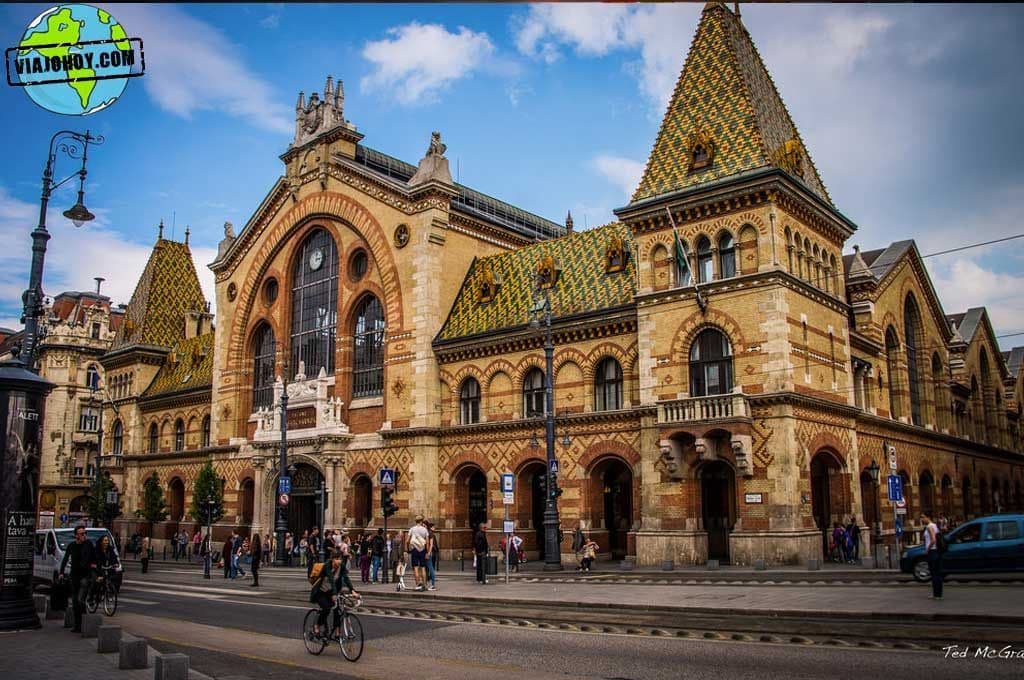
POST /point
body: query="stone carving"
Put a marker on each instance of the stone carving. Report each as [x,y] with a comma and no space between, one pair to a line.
[671,455]
[433,166]
[319,116]
[303,393]
[740,452]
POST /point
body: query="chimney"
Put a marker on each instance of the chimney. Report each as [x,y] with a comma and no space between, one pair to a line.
[99,281]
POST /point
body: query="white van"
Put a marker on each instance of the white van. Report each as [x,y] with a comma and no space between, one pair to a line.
[50,547]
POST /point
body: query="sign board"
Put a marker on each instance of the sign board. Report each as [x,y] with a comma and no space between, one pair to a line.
[892,457]
[19,542]
[64,518]
[901,503]
[508,498]
[45,520]
[387,476]
[753,498]
[509,526]
[895,487]
[554,466]
[901,511]
[899,527]
[284,485]
[302,418]
[282,499]
[508,482]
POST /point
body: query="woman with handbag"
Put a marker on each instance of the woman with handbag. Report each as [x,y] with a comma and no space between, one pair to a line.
[589,554]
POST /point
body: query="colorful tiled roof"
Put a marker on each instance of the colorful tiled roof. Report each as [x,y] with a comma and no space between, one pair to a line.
[188,366]
[726,96]
[583,286]
[167,290]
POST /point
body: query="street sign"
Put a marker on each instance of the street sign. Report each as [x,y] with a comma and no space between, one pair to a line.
[282,499]
[554,466]
[284,485]
[892,457]
[895,487]
[508,498]
[387,476]
[901,503]
[508,481]
[509,526]
[64,518]
[899,527]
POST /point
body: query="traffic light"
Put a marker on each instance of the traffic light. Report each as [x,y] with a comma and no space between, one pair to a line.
[387,501]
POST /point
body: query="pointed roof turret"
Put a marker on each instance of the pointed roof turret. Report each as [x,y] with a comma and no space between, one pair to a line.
[725,116]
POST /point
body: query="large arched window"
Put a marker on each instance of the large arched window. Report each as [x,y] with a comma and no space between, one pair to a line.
[118,437]
[726,257]
[315,304]
[205,439]
[368,362]
[533,394]
[154,438]
[263,368]
[683,276]
[705,265]
[608,385]
[710,364]
[179,435]
[469,402]
[892,347]
[912,333]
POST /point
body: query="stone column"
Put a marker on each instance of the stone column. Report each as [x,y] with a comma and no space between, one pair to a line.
[257,495]
[330,465]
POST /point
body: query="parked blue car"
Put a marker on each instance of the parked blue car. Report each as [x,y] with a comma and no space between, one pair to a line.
[985,544]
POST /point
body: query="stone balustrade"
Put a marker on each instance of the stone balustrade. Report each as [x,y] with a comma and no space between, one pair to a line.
[696,409]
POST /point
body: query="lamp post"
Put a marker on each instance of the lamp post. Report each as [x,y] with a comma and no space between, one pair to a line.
[210,503]
[281,524]
[552,542]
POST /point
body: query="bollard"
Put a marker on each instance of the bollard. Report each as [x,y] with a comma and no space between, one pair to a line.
[134,652]
[108,639]
[759,565]
[42,603]
[668,565]
[170,667]
[91,625]
[813,565]
[867,562]
[712,565]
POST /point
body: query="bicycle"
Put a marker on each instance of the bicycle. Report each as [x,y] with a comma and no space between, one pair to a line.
[351,638]
[103,589]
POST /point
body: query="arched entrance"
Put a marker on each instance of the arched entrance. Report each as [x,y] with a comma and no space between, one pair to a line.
[302,509]
[531,492]
[869,498]
[245,501]
[362,500]
[176,499]
[614,481]
[829,500]
[470,497]
[718,506]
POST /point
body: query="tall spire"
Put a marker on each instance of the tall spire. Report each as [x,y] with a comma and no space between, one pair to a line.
[160,229]
[568,222]
[725,116]
[186,234]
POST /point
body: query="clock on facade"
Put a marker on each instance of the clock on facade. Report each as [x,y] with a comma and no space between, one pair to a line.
[316,259]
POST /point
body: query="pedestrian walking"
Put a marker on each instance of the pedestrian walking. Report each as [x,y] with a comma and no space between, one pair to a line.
[512,552]
[397,551]
[303,548]
[419,543]
[589,552]
[82,556]
[578,539]
[256,550]
[364,557]
[312,550]
[147,553]
[480,550]
[853,529]
[400,572]
[432,556]
[225,555]
[934,544]
[289,545]
[197,539]
[174,546]
[269,548]
[377,549]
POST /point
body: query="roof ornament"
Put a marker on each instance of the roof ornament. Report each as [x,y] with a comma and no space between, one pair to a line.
[187,232]
[160,231]
[226,242]
[790,157]
[490,284]
[318,116]
[548,271]
[615,254]
[568,222]
[433,166]
[702,148]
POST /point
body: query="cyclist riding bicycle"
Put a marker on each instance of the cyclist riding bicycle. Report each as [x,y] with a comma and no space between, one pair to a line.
[106,563]
[333,579]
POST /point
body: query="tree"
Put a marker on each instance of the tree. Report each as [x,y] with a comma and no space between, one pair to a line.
[154,505]
[99,511]
[207,487]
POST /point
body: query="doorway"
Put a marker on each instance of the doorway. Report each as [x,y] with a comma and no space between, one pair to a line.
[718,507]
[826,495]
[533,486]
[616,479]
[362,500]
[302,508]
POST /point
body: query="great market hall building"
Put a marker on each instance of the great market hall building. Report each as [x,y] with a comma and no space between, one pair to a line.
[720,393]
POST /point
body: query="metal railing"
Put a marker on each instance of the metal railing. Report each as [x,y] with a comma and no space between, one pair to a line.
[692,409]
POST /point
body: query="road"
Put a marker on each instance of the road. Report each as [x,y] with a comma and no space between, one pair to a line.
[233,632]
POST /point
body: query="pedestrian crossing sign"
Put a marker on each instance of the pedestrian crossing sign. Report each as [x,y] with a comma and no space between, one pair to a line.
[387,477]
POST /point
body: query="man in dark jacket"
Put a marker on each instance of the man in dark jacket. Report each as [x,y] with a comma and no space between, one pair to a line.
[312,550]
[256,550]
[82,555]
[481,549]
[226,553]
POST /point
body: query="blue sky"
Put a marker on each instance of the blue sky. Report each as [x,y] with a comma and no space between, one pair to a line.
[911,114]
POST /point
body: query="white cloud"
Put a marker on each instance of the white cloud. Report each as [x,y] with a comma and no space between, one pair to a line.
[624,173]
[418,61]
[964,283]
[271,21]
[192,66]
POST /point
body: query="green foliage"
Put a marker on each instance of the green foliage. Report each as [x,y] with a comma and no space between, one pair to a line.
[207,486]
[98,510]
[154,505]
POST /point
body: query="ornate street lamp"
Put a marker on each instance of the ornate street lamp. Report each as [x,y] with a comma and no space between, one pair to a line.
[874,470]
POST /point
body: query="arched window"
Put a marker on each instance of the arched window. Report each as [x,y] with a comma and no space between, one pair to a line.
[263,368]
[939,393]
[705,265]
[710,364]
[154,438]
[534,401]
[118,437]
[179,435]
[608,385]
[315,304]
[92,377]
[205,440]
[726,257]
[926,487]
[683,277]
[469,401]
[892,346]
[912,340]
[368,362]
[789,249]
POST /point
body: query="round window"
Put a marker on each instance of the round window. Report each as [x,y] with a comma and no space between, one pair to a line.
[358,265]
[270,291]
